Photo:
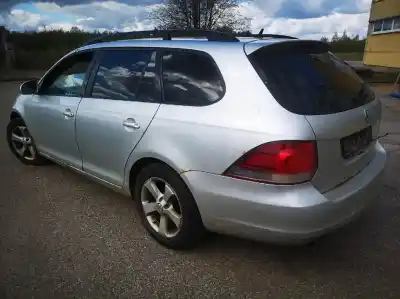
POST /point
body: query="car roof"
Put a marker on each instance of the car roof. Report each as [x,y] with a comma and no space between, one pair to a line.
[200,44]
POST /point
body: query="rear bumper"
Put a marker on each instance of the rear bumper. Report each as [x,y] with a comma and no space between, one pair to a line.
[285,214]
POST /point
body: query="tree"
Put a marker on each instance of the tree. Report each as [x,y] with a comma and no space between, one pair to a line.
[335,37]
[225,29]
[344,37]
[75,29]
[324,39]
[199,14]
[4,52]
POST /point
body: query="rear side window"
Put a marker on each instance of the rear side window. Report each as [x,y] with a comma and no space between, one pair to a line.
[191,79]
[127,75]
[307,79]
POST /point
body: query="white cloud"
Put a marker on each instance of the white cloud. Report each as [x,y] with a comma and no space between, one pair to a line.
[113,15]
[109,15]
[19,19]
[364,5]
[2,18]
[269,8]
[309,28]
[59,26]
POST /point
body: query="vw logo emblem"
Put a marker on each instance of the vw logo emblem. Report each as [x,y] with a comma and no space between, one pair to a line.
[160,208]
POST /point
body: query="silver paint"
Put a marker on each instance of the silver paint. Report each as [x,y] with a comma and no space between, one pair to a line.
[103,139]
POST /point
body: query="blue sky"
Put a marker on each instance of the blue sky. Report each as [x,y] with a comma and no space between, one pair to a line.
[303,18]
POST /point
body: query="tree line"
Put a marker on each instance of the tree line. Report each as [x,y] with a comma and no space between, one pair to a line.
[39,49]
[69,40]
[345,43]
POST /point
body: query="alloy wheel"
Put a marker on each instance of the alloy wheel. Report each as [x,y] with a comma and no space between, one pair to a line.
[22,143]
[161,207]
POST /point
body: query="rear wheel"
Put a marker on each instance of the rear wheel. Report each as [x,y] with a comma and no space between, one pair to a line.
[21,143]
[167,208]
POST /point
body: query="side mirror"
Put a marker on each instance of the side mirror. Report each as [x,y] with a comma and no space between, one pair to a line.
[29,87]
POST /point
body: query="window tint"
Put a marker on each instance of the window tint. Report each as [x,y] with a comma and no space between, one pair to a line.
[307,79]
[67,79]
[127,76]
[191,79]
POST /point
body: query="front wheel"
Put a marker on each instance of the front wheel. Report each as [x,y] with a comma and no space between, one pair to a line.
[21,143]
[167,207]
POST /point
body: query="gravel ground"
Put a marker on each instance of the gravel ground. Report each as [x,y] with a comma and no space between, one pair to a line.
[63,236]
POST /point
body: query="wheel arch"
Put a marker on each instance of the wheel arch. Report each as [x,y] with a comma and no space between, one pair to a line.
[138,165]
[15,114]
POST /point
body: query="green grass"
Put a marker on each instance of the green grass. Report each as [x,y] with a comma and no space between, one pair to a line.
[351,56]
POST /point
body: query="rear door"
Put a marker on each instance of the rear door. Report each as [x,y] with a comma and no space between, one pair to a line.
[123,97]
[305,78]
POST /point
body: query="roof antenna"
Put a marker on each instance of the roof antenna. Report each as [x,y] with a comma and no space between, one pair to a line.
[260,34]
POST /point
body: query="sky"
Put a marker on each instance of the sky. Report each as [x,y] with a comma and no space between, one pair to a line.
[300,18]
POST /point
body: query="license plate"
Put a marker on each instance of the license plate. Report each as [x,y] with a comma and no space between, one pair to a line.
[355,144]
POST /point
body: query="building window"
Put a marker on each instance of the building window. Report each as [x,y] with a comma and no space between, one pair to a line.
[396,25]
[387,25]
[391,24]
[378,26]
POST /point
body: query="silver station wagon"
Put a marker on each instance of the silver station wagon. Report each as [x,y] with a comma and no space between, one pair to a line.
[266,137]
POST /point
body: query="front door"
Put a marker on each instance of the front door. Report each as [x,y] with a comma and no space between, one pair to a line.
[121,100]
[50,116]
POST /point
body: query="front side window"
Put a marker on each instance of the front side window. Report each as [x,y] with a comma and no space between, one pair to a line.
[68,78]
[127,75]
[191,79]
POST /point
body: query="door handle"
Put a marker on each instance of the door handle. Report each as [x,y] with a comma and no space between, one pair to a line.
[131,123]
[68,113]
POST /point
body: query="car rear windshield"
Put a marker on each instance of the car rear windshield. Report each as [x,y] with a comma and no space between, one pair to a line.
[305,78]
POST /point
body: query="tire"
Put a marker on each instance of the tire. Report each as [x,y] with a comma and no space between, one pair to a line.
[191,228]
[30,156]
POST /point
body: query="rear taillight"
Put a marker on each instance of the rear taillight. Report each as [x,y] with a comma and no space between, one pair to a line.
[281,162]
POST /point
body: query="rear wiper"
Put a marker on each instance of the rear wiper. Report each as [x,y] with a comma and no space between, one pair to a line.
[357,98]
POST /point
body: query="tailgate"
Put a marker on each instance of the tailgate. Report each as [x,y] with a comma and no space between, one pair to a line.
[306,79]
[345,143]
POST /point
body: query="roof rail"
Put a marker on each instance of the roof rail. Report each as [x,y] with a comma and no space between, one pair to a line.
[261,35]
[165,35]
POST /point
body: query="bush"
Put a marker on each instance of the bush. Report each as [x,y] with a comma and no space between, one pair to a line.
[36,59]
[45,40]
[40,50]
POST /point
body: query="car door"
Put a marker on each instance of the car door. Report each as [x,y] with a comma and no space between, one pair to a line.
[120,102]
[50,115]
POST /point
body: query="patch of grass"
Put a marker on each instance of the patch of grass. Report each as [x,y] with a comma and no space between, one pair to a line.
[382,77]
[356,56]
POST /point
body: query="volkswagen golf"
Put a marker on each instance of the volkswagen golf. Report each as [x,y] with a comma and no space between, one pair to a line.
[266,137]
